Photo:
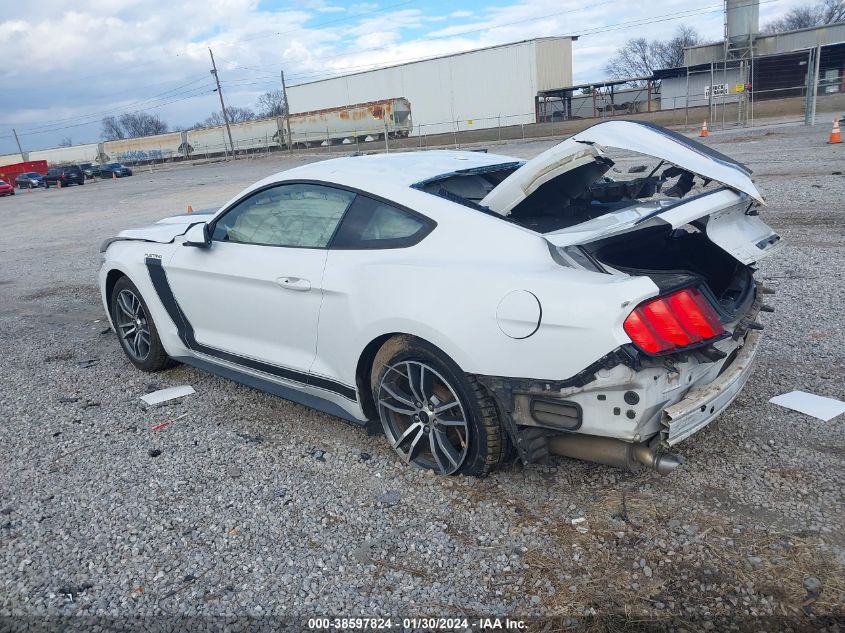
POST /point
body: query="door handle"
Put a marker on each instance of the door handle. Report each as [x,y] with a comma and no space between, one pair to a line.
[294,283]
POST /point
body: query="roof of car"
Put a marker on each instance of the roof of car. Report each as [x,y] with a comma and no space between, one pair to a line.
[406,168]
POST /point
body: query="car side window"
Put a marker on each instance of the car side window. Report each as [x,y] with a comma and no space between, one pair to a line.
[295,215]
[373,224]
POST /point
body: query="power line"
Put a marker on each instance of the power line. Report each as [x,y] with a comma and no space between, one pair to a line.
[92,116]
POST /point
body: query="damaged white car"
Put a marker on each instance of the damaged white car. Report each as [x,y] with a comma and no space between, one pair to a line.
[468,303]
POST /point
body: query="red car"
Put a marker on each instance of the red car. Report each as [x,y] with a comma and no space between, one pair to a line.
[6,189]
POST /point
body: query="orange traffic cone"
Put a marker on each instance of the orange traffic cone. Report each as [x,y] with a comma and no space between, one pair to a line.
[190,209]
[835,133]
[704,131]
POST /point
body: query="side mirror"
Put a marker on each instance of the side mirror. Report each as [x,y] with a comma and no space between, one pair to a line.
[198,236]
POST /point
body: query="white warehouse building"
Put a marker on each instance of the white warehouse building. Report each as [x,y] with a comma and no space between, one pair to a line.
[476,89]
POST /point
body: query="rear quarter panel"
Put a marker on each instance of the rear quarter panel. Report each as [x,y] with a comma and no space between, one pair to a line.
[446,290]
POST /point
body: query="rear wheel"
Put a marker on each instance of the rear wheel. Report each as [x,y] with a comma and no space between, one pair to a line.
[135,328]
[434,415]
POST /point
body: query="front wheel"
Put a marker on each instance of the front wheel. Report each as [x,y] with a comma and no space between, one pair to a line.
[433,414]
[136,329]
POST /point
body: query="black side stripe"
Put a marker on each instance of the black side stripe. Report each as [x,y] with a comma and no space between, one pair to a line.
[158,277]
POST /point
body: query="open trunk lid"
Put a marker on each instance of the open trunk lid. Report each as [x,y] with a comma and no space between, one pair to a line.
[729,224]
[636,136]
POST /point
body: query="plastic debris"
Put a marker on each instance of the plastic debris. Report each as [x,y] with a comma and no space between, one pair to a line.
[819,407]
[580,524]
[88,362]
[171,393]
[164,425]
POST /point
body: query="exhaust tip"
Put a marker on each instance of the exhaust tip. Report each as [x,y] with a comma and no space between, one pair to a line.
[667,462]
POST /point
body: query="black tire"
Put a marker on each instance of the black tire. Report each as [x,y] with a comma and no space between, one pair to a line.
[486,442]
[151,357]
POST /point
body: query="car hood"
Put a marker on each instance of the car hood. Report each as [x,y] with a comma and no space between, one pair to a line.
[164,231]
[635,136]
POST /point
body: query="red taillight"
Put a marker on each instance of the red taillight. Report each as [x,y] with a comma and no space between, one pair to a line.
[674,321]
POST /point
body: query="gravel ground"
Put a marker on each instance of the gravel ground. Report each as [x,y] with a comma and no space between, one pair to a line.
[248,505]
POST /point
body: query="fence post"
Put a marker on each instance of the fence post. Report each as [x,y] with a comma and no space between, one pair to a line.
[499,126]
[808,89]
[386,144]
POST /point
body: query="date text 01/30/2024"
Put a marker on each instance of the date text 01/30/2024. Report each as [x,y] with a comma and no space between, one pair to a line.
[413,624]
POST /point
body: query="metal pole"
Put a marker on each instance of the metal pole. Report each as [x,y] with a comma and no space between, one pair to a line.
[686,103]
[222,106]
[751,90]
[287,112]
[386,144]
[711,106]
[19,145]
[816,83]
[724,90]
[811,64]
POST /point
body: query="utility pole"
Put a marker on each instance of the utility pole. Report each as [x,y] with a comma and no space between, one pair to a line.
[287,112]
[222,106]
[19,145]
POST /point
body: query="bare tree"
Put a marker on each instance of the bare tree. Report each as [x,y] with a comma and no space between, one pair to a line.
[132,125]
[271,103]
[142,124]
[640,57]
[235,114]
[65,142]
[111,130]
[807,16]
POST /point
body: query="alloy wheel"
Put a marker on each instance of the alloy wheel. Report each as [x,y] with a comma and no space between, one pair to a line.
[132,325]
[423,417]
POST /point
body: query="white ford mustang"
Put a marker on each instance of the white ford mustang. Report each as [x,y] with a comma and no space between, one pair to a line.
[472,304]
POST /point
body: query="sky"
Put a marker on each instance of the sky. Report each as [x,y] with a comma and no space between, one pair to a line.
[67,65]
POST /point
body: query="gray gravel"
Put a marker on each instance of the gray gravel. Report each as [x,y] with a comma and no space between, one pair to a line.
[250,505]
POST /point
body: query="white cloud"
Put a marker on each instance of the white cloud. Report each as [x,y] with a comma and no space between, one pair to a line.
[99,56]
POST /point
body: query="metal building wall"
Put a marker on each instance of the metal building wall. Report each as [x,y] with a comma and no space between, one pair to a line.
[477,89]
[772,44]
[673,90]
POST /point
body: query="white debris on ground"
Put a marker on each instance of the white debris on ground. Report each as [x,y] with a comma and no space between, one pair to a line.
[824,409]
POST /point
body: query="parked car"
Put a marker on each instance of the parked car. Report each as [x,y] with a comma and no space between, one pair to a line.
[89,169]
[469,302]
[117,169]
[67,175]
[29,180]
[6,189]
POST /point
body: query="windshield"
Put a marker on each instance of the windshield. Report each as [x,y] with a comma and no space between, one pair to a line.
[33,174]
